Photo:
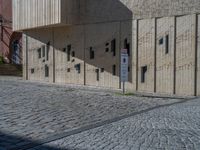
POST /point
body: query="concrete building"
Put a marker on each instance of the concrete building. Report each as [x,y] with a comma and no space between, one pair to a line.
[10,42]
[79,42]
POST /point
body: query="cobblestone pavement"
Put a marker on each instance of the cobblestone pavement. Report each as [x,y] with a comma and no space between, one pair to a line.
[176,127]
[84,118]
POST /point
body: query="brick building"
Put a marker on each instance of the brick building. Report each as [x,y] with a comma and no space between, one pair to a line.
[79,42]
[10,42]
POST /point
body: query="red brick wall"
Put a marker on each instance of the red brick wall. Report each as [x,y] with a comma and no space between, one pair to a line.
[6,34]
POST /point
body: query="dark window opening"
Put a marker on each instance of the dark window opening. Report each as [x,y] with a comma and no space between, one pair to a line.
[39,53]
[47,56]
[78,68]
[68,52]
[64,49]
[161,41]
[73,54]
[114,70]
[32,70]
[143,74]
[102,69]
[91,53]
[97,73]
[68,69]
[127,46]
[107,48]
[129,69]
[167,45]
[46,71]
[43,51]
[113,47]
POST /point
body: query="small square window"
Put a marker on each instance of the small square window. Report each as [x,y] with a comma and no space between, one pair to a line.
[78,68]
[73,54]
[161,41]
[68,69]
[32,71]
[64,49]
[102,70]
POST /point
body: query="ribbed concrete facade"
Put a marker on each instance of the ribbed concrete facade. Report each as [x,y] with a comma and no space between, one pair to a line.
[83,47]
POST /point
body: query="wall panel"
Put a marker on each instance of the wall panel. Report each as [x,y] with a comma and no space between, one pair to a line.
[185,55]
[165,61]
[146,45]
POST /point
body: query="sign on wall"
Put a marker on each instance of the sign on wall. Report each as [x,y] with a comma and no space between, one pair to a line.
[124,65]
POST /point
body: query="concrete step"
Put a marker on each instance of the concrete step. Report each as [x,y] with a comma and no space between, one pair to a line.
[10,69]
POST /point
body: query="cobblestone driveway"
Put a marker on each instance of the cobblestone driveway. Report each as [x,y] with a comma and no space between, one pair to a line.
[84,118]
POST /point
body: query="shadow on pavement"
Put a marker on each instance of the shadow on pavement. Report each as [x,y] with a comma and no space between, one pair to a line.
[12,142]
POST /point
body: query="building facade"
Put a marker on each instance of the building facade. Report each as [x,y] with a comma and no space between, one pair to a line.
[79,42]
[10,42]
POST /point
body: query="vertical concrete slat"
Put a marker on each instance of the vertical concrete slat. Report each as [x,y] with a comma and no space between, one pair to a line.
[174,78]
[137,33]
[54,78]
[26,57]
[195,55]
[120,46]
[155,54]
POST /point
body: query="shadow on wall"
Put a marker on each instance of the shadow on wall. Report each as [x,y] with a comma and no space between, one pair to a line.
[106,29]
[10,142]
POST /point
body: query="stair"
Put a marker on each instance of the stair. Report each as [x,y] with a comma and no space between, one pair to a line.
[10,70]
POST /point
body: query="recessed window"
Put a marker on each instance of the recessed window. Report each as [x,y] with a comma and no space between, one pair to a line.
[43,51]
[167,44]
[68,69]
[68,52]
[46,71]
[97,74]
[78,68]
[91,53]
[161,41]
[143,74]
[39,53]
[107,47]
[114,70]
[32,71]
[73,54]
[47,51]
[113,47]
[102,70]
[64,49]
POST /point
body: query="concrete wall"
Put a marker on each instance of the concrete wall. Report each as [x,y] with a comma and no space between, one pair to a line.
[185,55]
[167,73]
[35,13]
[92,25]
[198,57]
[146,47]
[164,60]
[34,41]
[58,12]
